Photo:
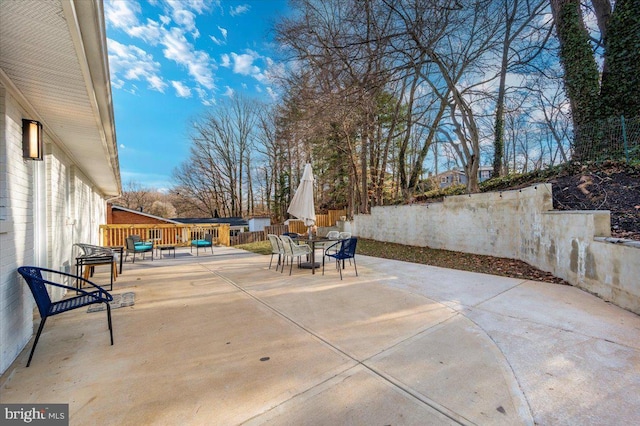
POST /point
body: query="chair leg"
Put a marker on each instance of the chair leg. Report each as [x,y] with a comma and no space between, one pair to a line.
[270,260]
[35,342]
[109,321]
[340,269]
[354,265]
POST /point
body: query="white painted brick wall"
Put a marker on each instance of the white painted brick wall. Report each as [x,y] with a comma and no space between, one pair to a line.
[64,183]
[16,302]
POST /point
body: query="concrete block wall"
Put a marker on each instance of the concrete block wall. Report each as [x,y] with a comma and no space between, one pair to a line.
[519,225]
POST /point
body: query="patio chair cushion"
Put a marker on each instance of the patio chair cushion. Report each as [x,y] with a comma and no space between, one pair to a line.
[200,243]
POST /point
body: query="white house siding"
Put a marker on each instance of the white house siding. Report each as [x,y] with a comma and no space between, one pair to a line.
[73,212]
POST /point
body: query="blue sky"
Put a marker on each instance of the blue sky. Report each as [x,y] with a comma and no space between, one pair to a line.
[170,60]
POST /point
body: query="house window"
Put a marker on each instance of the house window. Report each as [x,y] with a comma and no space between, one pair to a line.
[443,179]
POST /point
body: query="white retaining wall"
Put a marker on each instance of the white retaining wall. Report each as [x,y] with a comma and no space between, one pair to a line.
[573,245]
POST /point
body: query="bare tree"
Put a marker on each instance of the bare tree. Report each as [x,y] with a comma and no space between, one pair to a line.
[218,169]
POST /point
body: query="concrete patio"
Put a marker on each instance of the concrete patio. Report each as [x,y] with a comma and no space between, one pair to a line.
[222,340]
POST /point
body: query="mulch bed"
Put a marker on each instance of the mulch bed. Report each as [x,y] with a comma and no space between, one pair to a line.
[613,187]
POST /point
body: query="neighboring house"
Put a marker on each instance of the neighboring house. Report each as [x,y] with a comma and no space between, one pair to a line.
[457,177]
[259,223]
[236,224]
[118,215]
[53,70]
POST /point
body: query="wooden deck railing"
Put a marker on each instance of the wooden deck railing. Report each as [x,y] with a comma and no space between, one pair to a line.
[178,235]
[181,235]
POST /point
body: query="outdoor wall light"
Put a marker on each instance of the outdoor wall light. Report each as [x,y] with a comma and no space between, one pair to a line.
[31,139]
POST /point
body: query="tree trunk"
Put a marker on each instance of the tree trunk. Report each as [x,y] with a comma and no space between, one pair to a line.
[620,92]
[580,68]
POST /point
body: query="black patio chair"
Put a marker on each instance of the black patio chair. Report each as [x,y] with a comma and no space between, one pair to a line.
[346,251]
[33,275]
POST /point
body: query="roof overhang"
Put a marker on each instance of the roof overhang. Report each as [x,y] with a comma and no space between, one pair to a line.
[54,61]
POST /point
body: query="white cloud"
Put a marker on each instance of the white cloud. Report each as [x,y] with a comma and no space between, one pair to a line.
[272,93]
[181,90]
[221,41]
[243,64]
[122,146]
[121,14]
[226,61]
[178,49]
[239,10]
[151,32]
[124,16]
[185,18]
[184,13]
[133,63]
[204,97]
[229,92]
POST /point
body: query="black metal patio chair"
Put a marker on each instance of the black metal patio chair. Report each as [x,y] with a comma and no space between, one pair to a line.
[346,251]
[33,275]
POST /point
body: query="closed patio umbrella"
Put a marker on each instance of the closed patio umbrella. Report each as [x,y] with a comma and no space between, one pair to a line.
[302,205]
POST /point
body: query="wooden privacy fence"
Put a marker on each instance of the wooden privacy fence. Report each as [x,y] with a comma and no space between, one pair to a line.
[252,237]
[323,220]
[173,234]
[248,237]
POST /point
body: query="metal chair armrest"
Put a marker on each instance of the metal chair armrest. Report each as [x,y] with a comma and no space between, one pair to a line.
[101,291]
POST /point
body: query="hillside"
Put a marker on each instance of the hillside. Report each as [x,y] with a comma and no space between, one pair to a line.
[608,186]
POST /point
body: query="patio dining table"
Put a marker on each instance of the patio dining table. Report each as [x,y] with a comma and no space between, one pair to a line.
[312,243]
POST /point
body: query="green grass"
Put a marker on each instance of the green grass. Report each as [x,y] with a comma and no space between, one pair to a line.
[442,258]
[260,247]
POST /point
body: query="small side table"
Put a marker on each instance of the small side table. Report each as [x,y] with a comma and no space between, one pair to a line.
[162,247]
